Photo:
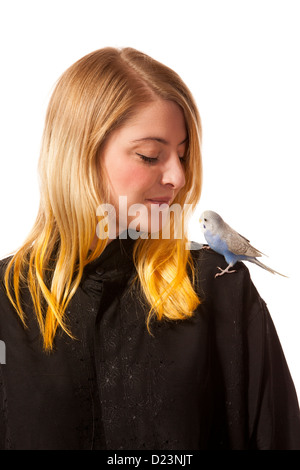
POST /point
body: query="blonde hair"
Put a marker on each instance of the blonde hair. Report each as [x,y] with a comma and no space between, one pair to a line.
[95,96]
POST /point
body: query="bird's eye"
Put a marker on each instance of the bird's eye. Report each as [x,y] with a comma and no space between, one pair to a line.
[205,220]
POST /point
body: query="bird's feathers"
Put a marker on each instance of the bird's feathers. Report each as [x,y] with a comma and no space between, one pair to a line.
[267,268]
[238,244]
[228,242]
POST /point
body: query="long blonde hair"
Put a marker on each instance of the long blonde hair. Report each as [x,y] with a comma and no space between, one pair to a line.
[95,96]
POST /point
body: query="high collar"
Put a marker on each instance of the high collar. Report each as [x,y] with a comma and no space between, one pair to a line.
[114,262]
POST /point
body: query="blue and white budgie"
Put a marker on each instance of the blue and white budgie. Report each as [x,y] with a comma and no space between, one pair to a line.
[229,243]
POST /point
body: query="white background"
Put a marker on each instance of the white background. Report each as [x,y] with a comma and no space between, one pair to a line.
[241,61]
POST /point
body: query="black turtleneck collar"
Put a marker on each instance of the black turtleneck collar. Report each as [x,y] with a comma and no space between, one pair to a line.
[114,262]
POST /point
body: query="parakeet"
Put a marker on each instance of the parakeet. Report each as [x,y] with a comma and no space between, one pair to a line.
[229,243]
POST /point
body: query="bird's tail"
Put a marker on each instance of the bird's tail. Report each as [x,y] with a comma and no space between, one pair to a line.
[259,263]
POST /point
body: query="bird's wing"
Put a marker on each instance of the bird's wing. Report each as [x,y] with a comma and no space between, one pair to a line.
[238,244]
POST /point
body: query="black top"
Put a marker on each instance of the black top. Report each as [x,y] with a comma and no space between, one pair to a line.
[216,381]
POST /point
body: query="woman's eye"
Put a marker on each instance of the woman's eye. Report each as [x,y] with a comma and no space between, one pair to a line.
[153,160]
[150,160]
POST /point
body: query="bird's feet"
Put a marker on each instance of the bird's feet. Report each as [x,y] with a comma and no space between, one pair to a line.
[224,271]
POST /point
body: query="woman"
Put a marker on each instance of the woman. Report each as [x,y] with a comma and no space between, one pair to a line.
[118,336]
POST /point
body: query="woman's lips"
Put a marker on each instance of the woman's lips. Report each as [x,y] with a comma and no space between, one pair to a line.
[160,200]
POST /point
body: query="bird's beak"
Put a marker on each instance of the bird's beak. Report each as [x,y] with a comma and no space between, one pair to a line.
[200,220]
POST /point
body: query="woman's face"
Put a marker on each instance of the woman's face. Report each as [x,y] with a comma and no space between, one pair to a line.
[143,162]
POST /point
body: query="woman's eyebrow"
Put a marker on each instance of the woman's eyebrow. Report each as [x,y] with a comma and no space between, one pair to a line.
[158,139]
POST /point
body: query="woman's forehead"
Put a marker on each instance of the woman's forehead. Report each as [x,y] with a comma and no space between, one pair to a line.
[162,121]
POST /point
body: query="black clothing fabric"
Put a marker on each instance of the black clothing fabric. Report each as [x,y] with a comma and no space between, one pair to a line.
[216,381]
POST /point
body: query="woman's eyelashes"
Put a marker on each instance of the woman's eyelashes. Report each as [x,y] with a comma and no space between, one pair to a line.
[152,160]
[146,159]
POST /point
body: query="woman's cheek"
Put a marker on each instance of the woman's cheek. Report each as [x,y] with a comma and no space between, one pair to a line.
[133,179]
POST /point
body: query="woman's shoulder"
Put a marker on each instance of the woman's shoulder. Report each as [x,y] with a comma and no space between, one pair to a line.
[207,263]
[229,292]
[3,265]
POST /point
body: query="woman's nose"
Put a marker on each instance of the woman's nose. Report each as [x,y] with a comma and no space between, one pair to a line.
[173,173]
